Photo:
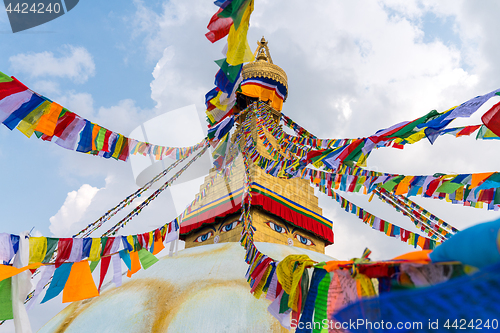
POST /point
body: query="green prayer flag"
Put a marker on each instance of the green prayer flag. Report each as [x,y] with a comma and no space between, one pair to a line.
[448,187]
[146,258]
[407,130]
[6,299]
[391,184]
[497,196]
[231,72]
[321,304]
[93,265]
[51,247]
[304,286]
[284,302]
[5,78]
[104,240]
[137,245]
[235,10]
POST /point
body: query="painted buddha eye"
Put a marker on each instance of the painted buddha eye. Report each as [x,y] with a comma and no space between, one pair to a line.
[230,226]
[276,227]
[304,240]
[204,237]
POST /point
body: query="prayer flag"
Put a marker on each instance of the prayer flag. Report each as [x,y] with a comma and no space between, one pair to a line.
[218,26]
[80,284]
[6,312]
[146,258]
[491,119]
[61,275]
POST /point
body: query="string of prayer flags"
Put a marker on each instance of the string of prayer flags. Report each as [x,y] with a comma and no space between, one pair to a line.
[457,189]
[153,196]
[425,224]
[34,114]
[127,201]
[466,109]
[381,225]
[232,20]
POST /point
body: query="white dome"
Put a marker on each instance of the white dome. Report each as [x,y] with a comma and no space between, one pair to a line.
[202,289]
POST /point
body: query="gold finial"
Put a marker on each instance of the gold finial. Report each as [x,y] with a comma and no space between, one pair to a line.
[262,53]
[263,66]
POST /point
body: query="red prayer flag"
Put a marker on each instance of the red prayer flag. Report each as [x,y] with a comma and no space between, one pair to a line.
[125,150]
[104,269]
[468,130]
[491,119]
[63,250]
[11,87]
[108,246]
[218,26]
[63,122]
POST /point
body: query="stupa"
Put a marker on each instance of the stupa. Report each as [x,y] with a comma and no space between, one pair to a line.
[203,288]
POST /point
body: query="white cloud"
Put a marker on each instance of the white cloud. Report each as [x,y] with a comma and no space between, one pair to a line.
[74,62]
[72,210]
[353,68]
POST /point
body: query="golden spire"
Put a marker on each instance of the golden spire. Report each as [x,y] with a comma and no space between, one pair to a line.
[262,52]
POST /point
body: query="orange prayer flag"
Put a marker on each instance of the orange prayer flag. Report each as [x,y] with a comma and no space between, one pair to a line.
[479,177]
[421,242]
[415,256]
[158,246]
[135,263]
[7,271]
[95,131]
[334,264]
[48,122]
[80,284]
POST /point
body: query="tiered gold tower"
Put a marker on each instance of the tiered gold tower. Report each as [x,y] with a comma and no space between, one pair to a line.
[217,214]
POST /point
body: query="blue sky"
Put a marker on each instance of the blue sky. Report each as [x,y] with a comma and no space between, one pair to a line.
[353,68]
[123,71]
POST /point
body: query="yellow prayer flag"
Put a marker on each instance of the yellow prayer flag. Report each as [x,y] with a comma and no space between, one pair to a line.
[95,250]
[216,102]
[289,278]
[38,249]
[416,137]
[119,144]
[364,286]
[80,284]
[238,50]
[151,238]
[459,194]
[28,124]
